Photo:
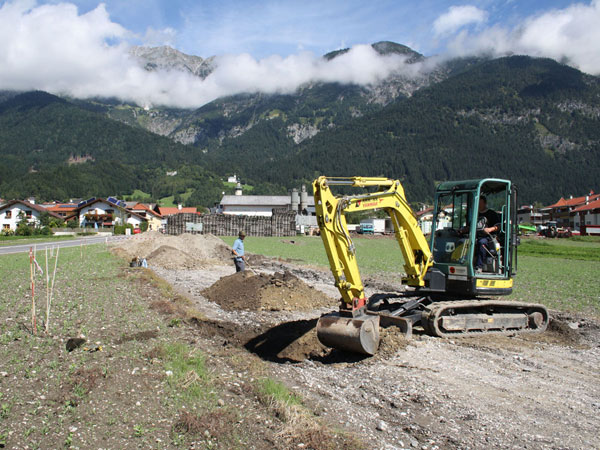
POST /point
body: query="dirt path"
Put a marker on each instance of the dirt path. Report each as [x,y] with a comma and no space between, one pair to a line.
[538,391]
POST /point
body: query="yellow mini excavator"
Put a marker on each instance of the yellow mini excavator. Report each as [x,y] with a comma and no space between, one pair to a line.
[451,280]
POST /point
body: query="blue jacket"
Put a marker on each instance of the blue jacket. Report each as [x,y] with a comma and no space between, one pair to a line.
[238,246]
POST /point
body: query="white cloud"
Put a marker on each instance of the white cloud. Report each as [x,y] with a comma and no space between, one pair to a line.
[56,49]
[457,17]
[571,34]
[361,65]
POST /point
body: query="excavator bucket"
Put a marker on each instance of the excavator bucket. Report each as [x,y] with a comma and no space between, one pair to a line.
[351,334]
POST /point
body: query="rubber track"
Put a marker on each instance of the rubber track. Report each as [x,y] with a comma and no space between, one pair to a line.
[435,311]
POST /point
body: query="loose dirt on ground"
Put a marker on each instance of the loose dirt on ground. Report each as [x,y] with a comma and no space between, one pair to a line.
[536,391]
[185,251]
[276,292]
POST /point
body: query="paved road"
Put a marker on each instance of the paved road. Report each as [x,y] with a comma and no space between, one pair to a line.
[21,248]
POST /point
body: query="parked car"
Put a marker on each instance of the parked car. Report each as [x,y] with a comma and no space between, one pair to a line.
[365,228]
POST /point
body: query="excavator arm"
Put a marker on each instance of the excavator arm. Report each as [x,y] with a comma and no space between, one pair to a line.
[341,252]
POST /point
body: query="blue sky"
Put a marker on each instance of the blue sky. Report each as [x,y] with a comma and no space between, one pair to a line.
[263,28]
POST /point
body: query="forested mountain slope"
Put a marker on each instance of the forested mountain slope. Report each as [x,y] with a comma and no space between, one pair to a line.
[534,121]
[54,149]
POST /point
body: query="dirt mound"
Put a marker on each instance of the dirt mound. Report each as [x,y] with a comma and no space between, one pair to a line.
[169,257]
[186,251]
[558,333]
[288,342]
[280,291]
[391,340]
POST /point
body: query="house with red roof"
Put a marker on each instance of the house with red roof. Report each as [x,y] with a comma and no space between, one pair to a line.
[61,209]
[562,209]
[587,217]
[99,212]
[14,211]
[154,219]
[170,210]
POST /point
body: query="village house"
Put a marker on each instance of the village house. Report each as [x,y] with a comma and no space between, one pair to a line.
[153,218]
[61,209]
[98,213]
[263,205]
[529,214]
[562,209]
[586,217]
[14,211]
[165,211]
[170,210]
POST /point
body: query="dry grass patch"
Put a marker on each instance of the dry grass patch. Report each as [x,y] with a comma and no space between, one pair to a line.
[300,427]
[214,424]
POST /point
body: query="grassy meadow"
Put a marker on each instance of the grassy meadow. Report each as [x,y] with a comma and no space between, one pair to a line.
[103,393]
[141,378]
[21,240]
[560,273]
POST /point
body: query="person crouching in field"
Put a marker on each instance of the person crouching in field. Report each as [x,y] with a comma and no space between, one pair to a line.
[238,252]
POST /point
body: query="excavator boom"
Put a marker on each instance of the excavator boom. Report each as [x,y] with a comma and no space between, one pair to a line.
[340,249]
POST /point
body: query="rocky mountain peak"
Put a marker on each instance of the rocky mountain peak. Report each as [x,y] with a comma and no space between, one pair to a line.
[384,48]
[168,58]
[388,47]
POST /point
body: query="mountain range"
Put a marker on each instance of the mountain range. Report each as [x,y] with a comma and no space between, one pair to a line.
[534,121]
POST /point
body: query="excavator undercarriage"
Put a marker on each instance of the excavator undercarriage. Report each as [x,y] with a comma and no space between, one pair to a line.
[359,333]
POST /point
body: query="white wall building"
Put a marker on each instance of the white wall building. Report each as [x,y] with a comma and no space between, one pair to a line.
[13,212]
[253,205]
[263,205]
[586,218]
[379,225]
[426,222]
[105,213]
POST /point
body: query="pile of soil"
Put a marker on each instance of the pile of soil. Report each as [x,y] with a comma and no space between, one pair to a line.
[186,251]
[558,333]
[288,342]
[281,291]
[391,340]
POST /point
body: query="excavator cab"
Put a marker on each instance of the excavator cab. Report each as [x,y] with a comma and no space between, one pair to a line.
[459,243]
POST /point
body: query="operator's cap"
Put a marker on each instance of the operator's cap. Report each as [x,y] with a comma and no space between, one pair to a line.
[242,233]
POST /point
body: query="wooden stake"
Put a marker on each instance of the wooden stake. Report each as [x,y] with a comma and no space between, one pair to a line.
[52,290]
[47,291]
[31,272]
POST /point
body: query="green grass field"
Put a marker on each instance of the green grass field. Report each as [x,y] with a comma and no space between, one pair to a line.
[310,250]
[141,379]
[577,249]
[138,195]
[560,273]
[21,240]
[50,389]
[168,201]
[563,284]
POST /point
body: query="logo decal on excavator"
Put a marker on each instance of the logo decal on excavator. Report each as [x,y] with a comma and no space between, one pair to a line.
[367,204]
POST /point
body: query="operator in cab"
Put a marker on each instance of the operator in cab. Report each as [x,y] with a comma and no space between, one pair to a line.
[488,225]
